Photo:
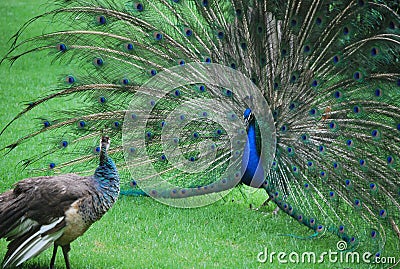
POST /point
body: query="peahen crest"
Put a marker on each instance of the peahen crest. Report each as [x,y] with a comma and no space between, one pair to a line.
[170,81]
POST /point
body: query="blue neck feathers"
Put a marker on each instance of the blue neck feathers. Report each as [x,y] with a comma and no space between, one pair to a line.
[106,184]
[106,173]
[252,170]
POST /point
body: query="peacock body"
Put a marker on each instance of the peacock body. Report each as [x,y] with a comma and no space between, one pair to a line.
[300,98]
[42,211]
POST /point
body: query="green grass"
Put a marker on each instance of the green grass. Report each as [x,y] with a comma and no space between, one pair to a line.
[140,232]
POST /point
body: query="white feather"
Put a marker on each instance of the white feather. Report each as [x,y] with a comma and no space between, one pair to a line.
[34,245]
[23,227]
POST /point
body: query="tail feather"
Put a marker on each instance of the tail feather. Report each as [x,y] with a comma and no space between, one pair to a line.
[32,244]
[11,213]
[22,227]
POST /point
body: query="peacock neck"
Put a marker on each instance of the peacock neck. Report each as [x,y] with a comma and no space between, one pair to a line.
[107,178]
[252,170]
[106,188]
[107,171]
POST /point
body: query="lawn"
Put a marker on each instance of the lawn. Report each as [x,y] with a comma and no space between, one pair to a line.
[139,232]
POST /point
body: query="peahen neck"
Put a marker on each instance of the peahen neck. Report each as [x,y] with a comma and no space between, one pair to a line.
[252,170]
[107,178]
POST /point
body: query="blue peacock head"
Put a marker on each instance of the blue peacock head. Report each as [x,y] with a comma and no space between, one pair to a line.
[247,114]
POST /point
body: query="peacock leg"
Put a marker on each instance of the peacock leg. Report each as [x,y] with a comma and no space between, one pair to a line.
[262,205]
[275,212]
[265,204]
[65,250]
[395,227]
[53,258]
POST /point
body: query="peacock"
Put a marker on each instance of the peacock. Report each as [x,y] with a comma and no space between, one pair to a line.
[298,98]
[47,210]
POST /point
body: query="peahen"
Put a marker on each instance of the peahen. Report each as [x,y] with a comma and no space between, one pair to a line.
[48,210]
[300,98]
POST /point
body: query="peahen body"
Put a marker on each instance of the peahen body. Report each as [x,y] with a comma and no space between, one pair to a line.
[300,98]
[43,211]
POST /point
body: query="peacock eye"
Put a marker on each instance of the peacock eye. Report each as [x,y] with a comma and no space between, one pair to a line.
[101,20]
[62,47]
[139,7]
